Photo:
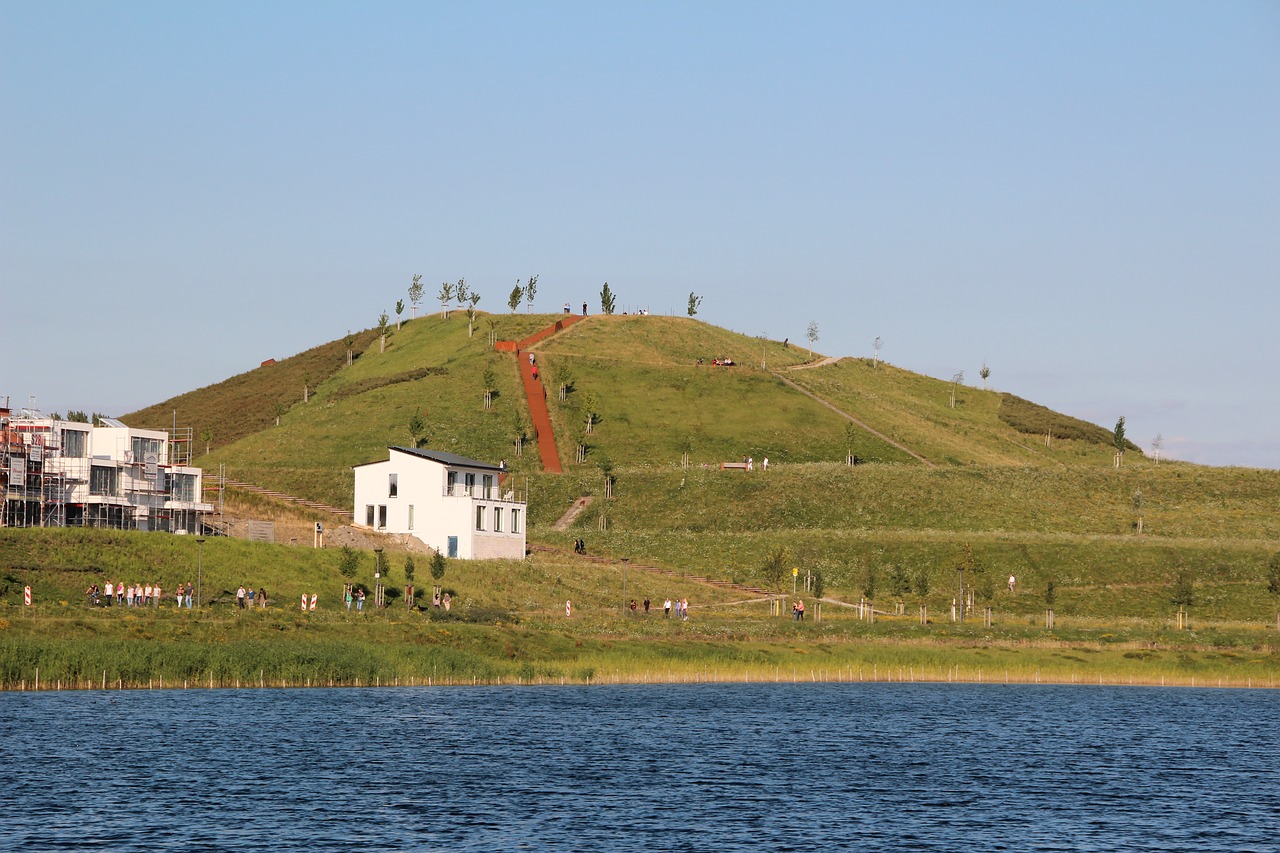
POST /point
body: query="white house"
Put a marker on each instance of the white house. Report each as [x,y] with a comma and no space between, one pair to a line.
[459,506]
[59,473]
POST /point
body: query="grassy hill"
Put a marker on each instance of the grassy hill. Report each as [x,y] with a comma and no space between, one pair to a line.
[1009,486]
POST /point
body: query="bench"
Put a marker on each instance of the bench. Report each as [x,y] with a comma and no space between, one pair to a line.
[725,466]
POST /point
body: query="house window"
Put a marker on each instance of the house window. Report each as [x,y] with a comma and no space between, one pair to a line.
[497,519]
[451,482]
[102,481]
[393,485]
[73,443]
[184,487]
[488,486]
[471,484]
[410,516]
[368,515]
[515,521]
[142,447]
[382,516]
[479,518]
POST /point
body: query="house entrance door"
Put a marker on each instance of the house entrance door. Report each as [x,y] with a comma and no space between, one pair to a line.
[453,547]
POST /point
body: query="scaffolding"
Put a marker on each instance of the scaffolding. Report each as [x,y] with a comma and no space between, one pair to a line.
[141,482]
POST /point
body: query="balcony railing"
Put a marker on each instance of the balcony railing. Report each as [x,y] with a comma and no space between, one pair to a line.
[503,494]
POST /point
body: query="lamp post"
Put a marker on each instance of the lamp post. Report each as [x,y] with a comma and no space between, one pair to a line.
[377,577]
[199,566]
[625,560]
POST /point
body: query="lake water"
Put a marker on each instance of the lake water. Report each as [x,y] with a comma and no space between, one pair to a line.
[687,767]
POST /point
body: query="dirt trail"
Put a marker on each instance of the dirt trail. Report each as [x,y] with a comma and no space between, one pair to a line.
[572,513]
[846,415]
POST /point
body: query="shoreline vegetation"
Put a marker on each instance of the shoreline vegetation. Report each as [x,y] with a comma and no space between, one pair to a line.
[90,650]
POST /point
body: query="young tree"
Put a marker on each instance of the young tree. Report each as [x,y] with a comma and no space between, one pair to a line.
[955,382]
[410,569]
[279,411]
[437,566]
[530,291]
[520,429]
[899,582]
[417,429]
[472,300]
[460,292]
[383,320]
[812,334]
[869,578]
[694,302]
[774,569]
[306,387]
[399,312]
[876,345]
[206,435]
[819,586]
[517,293]
[445,296]
[564,375]
[349,341]
[591,407]
[607,299]
[415,294]
[1138,502]
[606,468]
[1156,444]
[1117,438]
[984,373]
[490,380]
[850,441]
[348,562]
[1183,592]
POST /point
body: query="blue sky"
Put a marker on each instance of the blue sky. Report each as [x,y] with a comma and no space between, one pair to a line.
[1085,195]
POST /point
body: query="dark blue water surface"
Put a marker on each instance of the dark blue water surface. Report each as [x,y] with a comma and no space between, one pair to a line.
[689,767]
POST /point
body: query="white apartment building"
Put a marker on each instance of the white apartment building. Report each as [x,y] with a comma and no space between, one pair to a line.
[58,473]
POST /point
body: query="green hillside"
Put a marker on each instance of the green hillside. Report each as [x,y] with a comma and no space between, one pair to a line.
[992,490]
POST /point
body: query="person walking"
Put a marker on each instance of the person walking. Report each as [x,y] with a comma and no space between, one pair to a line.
[240,597]
[666,608]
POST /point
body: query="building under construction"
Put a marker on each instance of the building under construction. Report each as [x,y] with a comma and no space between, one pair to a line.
[58,473]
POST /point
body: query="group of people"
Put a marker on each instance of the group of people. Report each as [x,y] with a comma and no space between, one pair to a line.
[135,595]
[246,598]
[681,607]
[797,610]
[354,595]
[579,546]
[750,462]
[445,601]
